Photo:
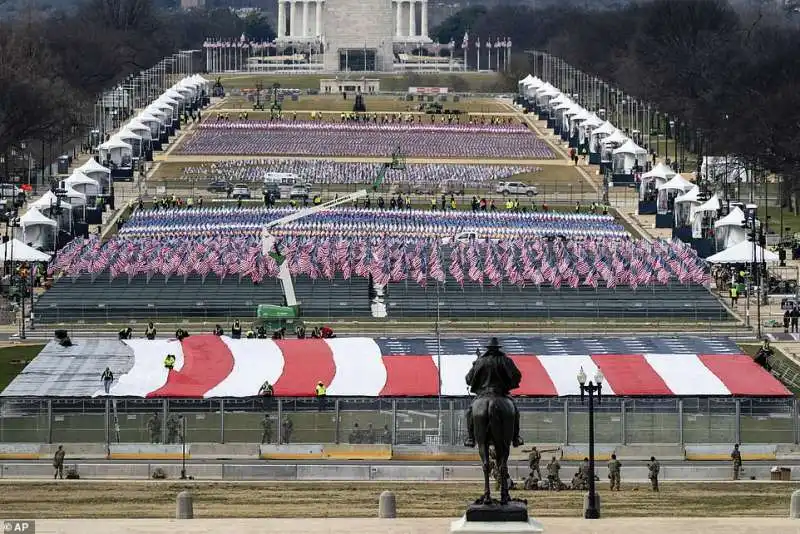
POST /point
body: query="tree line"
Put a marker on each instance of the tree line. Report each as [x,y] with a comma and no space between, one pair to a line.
[54,65]
[730,76]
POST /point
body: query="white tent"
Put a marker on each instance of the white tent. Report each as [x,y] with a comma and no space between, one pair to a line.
[743,253]
[653,179]
[676,186]
[16,250]
[729,230]
[102,174]
[598,135]
[683,206]
[628,156]
[82,184]
[139,128]
[126,135]
[38,230]
[117,152]
[703,216]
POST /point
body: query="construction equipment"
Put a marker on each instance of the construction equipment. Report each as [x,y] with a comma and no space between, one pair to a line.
[274,316]
[258,105]
[275,109]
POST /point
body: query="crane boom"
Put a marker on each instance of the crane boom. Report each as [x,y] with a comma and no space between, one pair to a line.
[268,240]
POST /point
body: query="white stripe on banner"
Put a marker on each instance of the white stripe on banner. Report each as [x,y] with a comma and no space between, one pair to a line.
[148,372]
[454,371]
[254,361]
[685,374]
[359,367]
[563,371]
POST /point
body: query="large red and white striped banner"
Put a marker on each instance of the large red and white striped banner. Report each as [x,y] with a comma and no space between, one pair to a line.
[211,366]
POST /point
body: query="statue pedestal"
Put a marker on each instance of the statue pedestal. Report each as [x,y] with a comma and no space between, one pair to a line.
[509,519]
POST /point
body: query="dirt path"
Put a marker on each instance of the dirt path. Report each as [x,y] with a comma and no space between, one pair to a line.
[89,499]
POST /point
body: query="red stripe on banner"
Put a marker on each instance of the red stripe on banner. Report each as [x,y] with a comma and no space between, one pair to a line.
[535,380]
[305,362]
[206,362]
[410,376]
[744,377]
[631,374]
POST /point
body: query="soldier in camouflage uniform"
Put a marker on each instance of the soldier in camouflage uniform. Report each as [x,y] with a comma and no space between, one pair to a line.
[553,479]
[154,428]
[172,429]
[653,467]
[266,426]
[614,474]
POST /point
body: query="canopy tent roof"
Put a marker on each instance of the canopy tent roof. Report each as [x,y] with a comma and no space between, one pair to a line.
[126,133]
[547,90]
[563,105]
[712,204]
[560,99]
[531,81]
[605,128]
[734,218]
[33,217]
[49,200]
[743,253]
[677,182]
[114,143]
[690,196]
[594,121]
[16,250]
[629,147]
[78,178]
[582,115]
[367,367]
[617,138]
[92,166]
[659,171]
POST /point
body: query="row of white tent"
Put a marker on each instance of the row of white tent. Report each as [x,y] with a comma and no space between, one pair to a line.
[602,136]
[673,191]
[149,126]
[45,216]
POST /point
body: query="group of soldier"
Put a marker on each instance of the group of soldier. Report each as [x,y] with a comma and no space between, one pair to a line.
[580,481]
[286,430]
[369,436]
[173,429]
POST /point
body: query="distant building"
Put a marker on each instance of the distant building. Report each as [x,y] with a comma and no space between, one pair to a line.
[362,85]
[193,4]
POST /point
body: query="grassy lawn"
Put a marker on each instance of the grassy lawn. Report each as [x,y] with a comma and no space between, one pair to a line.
[67,499]
[14,359]
[456,82]
[374,104]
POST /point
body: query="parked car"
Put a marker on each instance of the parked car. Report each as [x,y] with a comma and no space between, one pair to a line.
[240,191]
[516,188]
[9,191]
[219,186]
[452,187]
[300,192]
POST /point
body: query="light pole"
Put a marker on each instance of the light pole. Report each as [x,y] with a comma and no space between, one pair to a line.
[183,446]
[592,388]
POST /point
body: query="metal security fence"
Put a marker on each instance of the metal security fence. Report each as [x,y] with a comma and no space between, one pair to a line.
[400,421]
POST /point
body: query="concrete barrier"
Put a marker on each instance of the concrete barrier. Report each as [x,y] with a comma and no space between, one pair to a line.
[113,471]
[308,451]
[357,452]
[81,451]
[196,471]
[723,452]
[576,453]
[644,452]
[259,472]
[409,472]
[19,451]
[425,453]
[333,472]
[145,451]
[27,470]
[218,451]
[462,472]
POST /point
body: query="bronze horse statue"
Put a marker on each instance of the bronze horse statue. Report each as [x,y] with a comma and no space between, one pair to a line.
[494,416]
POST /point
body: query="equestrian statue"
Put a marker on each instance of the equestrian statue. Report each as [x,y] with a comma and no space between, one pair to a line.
[493,419]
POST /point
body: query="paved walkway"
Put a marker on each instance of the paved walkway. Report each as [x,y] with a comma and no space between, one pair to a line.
[411,526]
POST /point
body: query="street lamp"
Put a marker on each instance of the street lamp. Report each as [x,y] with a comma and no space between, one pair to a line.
[183,446]
[591,389]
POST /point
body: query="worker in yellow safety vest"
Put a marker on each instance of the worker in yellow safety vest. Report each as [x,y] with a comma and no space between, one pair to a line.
[320,390]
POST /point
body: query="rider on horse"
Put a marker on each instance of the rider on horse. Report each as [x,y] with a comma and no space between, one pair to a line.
[496,373]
